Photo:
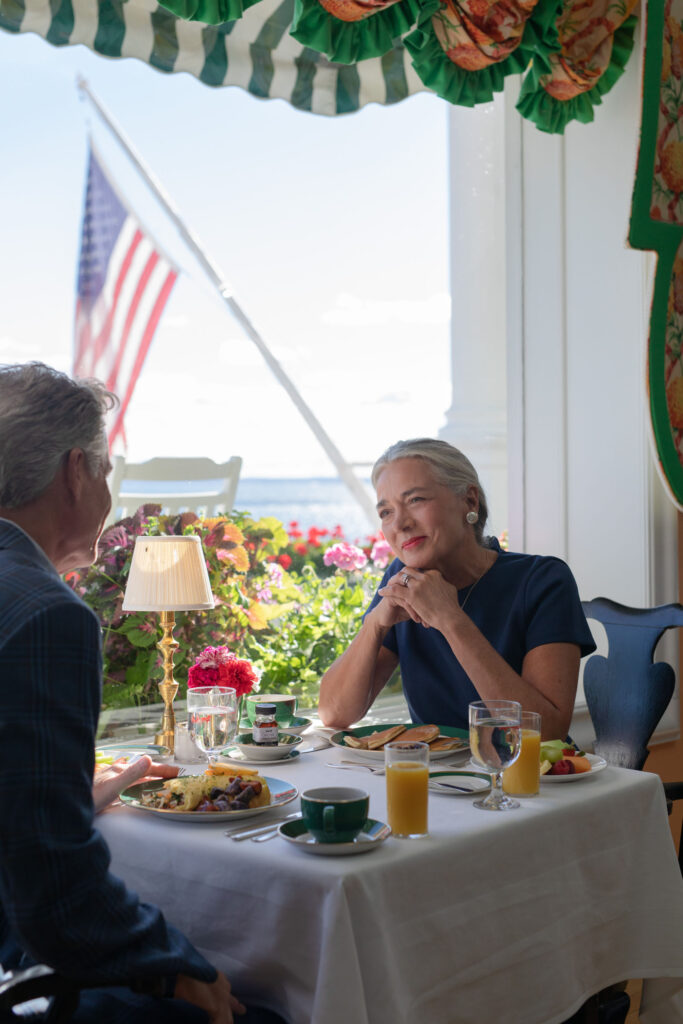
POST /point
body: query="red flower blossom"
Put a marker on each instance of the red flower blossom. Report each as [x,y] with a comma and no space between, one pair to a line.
[217,666]
[285,560]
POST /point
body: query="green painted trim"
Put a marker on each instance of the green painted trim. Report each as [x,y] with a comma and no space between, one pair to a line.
[665,239]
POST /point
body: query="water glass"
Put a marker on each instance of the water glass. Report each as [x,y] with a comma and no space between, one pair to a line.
[212,717]
[495,740]
[407,775]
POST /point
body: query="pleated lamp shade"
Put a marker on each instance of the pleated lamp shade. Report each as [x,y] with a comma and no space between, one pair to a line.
[167,574]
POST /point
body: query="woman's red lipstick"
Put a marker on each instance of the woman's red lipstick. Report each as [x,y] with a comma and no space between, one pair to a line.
[412,542]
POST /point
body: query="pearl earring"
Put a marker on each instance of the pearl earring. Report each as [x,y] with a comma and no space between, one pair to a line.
[472,517]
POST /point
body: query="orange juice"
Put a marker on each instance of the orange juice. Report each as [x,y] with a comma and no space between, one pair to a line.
[407,798]
[523,776]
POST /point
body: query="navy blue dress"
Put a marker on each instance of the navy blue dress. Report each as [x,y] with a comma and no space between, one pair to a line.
[522,602]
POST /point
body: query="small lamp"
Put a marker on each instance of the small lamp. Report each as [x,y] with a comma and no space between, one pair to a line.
[167,575]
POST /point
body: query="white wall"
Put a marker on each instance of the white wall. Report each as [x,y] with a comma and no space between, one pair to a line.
[574,301]
[581,482]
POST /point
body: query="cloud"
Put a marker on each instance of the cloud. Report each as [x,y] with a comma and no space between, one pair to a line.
[352,311]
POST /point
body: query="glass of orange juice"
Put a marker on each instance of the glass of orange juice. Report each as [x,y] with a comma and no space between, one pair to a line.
[523,777]
[407,772]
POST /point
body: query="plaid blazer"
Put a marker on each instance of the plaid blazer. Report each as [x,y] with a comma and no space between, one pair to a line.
[59,904]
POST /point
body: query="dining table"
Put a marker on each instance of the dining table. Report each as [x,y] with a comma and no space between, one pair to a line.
[516,917]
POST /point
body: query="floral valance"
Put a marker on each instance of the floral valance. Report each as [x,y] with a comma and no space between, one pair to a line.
[332,56]
[571,52]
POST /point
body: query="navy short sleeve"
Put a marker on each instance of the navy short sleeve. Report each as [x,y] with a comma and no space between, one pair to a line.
[523,602]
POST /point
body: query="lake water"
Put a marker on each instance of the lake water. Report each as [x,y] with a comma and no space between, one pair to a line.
[323,502]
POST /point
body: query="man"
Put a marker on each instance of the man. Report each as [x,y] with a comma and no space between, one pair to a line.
[59,904]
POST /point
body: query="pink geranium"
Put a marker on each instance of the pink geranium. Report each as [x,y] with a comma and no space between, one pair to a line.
[381,553]
[218,666]
[345,556]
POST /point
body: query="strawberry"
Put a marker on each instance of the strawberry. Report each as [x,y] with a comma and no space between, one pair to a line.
[563,767]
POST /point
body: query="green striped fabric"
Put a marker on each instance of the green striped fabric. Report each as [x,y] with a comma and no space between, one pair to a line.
[256,53]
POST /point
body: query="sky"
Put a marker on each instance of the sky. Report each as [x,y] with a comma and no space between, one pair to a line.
[332,232]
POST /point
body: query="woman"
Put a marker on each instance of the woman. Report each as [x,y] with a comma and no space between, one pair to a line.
[463,619]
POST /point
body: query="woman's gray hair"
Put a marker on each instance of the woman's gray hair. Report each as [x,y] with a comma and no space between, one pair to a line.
[450,467]
[43,415]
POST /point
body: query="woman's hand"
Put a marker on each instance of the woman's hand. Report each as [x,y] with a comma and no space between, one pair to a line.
[215,998]
[425,597]
[114,778]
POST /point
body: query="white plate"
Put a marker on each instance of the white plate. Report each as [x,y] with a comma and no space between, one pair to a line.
[374,833]
[378,755]
[597,765]
[473,782]
[235,755]
[128,750]
[281,793]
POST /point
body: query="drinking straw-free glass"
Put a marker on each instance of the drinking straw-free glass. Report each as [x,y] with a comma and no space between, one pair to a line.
[495,738]
[407,774]
[212,717]
[523,777]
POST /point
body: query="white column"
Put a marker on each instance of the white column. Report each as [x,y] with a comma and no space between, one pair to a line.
[477,419]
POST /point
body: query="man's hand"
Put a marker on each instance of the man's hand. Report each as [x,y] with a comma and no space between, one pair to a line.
[110,781]
[215,998]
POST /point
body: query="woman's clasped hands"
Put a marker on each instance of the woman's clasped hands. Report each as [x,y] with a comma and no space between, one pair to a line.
[421,595]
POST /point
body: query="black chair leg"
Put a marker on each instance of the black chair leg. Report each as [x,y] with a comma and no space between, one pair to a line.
[610,1006]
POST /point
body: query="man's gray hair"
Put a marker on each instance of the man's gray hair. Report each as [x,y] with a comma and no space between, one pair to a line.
[450,467]
[43,415]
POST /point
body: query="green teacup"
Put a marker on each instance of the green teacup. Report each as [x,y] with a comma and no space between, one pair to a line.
[285,706]
[334,814]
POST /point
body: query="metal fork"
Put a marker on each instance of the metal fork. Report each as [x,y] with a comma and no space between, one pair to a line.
[350,765]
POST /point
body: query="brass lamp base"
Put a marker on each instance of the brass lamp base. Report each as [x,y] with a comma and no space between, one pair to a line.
[168,688]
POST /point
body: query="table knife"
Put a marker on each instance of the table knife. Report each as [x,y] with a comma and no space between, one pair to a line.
[247,833]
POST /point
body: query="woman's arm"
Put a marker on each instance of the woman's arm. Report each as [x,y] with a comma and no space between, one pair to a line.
[353,681]
[549,676]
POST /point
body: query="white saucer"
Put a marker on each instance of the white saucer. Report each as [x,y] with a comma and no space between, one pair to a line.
[235,755]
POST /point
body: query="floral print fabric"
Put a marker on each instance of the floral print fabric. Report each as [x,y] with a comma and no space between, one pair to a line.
[477,33]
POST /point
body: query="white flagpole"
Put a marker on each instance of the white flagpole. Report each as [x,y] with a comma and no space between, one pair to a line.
[212,271]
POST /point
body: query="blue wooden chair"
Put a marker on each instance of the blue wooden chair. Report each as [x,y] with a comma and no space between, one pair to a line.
[626,693]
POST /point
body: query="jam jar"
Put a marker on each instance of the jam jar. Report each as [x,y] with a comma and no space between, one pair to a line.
[265,726]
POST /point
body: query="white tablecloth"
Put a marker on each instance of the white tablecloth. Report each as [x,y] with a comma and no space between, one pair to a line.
[515,917]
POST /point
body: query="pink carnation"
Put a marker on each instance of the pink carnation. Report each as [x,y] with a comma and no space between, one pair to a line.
[217,666]
[345,556]
[381,553]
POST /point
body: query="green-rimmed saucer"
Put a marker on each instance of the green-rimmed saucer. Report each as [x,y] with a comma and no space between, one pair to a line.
[453,783]
[373,835]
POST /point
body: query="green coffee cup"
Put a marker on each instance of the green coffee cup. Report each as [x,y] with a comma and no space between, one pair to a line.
[285,706]
[334,814]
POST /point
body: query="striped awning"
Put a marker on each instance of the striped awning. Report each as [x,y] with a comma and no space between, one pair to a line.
[256,53]
[334,56]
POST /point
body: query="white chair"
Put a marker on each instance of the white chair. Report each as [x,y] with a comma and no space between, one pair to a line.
[178,485]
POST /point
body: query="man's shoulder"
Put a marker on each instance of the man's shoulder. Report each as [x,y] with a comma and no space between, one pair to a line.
[29,590]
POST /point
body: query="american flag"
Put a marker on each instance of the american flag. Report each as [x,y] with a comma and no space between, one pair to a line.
[124,281]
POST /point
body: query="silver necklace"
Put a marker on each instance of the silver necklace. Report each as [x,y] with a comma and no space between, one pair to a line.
[473,585]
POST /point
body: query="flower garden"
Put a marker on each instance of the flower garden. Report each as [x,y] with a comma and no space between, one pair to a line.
[287,603]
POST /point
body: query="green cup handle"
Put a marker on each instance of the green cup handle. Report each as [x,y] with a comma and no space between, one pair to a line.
[328,819]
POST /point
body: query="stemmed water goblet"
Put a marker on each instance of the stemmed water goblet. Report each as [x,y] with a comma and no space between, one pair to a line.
[212,717]
[495,741]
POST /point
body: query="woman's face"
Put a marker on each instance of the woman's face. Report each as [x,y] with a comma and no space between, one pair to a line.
[423,521]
